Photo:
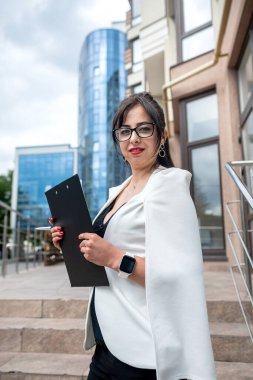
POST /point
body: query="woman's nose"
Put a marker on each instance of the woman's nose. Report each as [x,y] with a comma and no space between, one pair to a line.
[134,137]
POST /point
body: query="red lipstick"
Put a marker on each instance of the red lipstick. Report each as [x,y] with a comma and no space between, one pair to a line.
[136,150]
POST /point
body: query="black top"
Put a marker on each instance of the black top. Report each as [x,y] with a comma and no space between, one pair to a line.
[99,228]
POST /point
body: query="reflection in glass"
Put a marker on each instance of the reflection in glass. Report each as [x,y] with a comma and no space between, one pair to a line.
[38,172]
[102,84]
[206,188]
[248,138]
[198,43]
[138,88]
[202,118]
[136,12]
[196,13]
[245,77]
[137,56]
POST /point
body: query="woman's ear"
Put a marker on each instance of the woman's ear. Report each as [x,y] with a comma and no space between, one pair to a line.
[165,136]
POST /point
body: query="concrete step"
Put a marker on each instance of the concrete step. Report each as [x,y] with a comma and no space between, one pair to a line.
[228,311]
[42,335]
[41,366]
[218,310]
[234,371]
[230,341]
[39,308]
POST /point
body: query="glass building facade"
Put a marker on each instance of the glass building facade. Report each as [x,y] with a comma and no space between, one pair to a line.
[102,85]
[37,171]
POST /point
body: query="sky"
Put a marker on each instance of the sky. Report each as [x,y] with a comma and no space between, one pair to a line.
[40,43]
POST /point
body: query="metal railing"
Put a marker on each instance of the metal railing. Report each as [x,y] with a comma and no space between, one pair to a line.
[243,259]
[18,246]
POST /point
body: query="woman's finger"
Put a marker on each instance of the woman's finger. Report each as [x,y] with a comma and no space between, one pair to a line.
[86,235]
[57,235]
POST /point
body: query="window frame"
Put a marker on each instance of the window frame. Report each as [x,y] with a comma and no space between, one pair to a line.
[244,114]
[249,106]
[135,20]
[181,34]
[210,254]
[136,66]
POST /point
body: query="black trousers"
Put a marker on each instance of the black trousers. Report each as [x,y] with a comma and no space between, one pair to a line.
[105,366]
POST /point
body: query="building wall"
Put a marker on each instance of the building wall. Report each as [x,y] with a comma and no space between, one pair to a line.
[102,85]
[163,63]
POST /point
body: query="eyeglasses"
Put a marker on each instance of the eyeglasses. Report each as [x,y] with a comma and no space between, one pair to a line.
[143,130]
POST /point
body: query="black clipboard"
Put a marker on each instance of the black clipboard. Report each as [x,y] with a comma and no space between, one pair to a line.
[68,207]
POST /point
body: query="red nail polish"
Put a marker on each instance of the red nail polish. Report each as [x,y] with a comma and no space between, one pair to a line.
[61,232]
[59,228]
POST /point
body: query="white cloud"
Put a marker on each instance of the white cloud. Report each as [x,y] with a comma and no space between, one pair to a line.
[40,42]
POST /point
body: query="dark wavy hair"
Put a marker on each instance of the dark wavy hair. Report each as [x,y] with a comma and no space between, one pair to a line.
[155,111]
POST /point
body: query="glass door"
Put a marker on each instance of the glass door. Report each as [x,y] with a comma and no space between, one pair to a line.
[200,144]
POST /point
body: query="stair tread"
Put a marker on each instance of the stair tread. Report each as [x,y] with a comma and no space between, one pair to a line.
[78,365]
[229,328]
[220,328]
[234,370]
[45,363]
[42,323]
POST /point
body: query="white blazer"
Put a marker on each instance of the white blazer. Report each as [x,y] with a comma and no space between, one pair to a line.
[174,278]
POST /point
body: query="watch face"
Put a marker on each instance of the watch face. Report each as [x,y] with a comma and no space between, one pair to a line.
[127,264]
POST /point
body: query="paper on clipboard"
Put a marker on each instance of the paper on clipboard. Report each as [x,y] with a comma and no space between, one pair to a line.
[68,208]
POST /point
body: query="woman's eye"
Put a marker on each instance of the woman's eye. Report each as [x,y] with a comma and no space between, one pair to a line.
[125,132]
[145,129]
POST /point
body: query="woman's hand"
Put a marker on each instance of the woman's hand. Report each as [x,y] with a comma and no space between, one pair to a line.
[99,251]
[57,235]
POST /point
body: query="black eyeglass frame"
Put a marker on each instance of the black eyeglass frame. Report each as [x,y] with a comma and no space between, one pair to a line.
[134,129]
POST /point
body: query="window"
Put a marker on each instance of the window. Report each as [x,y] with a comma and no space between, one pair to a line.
[96,71]
[245,77]
[245,86]
[137,56]
[194,28]
[96,95]
[137,88]
[200,145]
[247,134]
[136,12]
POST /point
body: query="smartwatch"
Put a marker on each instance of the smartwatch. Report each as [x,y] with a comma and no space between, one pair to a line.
[127,265]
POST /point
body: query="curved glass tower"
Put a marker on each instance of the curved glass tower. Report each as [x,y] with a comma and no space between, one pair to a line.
[102,85]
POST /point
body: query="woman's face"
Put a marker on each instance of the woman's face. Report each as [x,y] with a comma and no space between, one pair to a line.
[140,152]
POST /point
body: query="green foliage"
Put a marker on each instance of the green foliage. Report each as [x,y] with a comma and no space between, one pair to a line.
[5,191]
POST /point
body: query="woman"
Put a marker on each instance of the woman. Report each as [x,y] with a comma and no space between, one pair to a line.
[151,322]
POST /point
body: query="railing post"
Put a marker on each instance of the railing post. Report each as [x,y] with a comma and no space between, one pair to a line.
[41,240]
[247,270]
[18,246]
[28,248]
[244,195]
[34,247]
[4,253]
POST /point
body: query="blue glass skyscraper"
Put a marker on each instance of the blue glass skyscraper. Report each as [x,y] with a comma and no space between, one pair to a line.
[102,85]
[37,169]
